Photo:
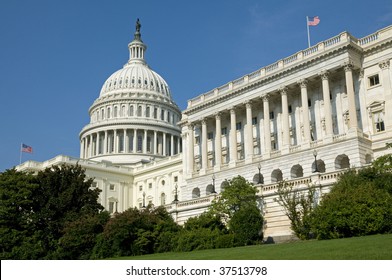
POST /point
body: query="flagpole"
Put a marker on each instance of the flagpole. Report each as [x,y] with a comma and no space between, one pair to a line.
[307,25]
[20,154]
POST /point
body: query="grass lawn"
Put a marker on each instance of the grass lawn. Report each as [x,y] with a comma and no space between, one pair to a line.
[374,247]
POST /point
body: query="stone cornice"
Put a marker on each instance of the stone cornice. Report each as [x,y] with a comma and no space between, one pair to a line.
[270,78]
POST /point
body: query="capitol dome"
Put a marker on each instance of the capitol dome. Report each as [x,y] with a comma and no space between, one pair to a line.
[134,119]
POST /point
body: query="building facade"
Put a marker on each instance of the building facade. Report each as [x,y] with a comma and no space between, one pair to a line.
[304,119]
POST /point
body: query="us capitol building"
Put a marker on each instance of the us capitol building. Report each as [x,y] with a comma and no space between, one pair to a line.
[304,119]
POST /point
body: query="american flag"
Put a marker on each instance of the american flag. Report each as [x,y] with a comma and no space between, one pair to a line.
[27,149]
[313,21]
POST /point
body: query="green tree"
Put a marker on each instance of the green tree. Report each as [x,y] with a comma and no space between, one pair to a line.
[358,204]
[41,206]
[298,205]
[135,232]
[238,193]
[246,225]
[16,204]
[80,236]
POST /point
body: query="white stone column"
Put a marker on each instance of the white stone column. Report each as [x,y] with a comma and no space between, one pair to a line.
[155,143]
[191,149]
[115,139]
[233,137]
[386,82]
[126,142]
[105,143]
[81,148]
[218,141]
[305,111]
[97,144]
[164,143]
[145,142]
[267,126]
[90,150]
[135,140]
[352,111]
[204,152]
[248,133]
[171,145]
[285,118]
[327,104]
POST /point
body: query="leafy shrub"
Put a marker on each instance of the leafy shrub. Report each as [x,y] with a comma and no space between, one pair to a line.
[246,225]
[354,207]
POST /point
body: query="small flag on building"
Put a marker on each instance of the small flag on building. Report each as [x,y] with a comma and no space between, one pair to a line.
[27,149]
[313,21]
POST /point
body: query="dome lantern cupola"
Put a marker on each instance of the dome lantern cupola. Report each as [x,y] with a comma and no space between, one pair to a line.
[137,48]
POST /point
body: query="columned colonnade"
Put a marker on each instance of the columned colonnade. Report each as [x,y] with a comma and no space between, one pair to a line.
[123,140]
[248,133]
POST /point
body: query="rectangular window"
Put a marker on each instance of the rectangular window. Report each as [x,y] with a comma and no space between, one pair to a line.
[271,115]
[224,131]
[197,140]
[175,179]
[254,121]
[238,126]
[210,135]
[111,187]
[150,185]
[111,207]
[378,120]
[290,109]
[309,103]
[374,80]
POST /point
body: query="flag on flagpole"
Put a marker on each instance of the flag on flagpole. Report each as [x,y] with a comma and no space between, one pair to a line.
[26,149]
[313,21]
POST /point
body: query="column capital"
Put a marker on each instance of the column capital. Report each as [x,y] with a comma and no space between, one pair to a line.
[303,83]
[232,110]
[248,104]
[384,64]
[191,125]
[283,90]
[218,115]
[265,97]
[348,66]
[203,121]
[324,75]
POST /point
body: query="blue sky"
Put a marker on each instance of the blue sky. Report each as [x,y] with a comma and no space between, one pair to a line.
[55,55]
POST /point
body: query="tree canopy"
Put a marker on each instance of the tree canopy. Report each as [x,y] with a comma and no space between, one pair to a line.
[35,209]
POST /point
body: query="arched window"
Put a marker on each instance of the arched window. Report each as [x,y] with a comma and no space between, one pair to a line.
[131,110]
[342,162]
[139,111]
[224,184]
[258,178]
[163,199]
[115,112]
[108,115]
[209,189]
[296,171]
[276,176]
[148,112]
[320,166]
[196,193]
